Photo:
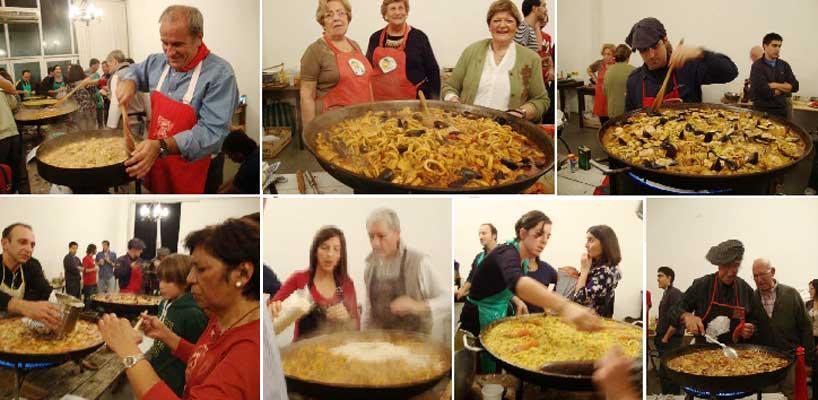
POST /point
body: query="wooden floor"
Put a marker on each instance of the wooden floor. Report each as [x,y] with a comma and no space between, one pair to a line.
[68,378]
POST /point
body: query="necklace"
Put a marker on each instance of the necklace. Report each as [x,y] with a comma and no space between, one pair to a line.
[216,335]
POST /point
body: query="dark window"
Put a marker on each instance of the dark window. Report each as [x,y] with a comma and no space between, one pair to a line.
[56,27]
[4,52]
[21,3]
[24,39]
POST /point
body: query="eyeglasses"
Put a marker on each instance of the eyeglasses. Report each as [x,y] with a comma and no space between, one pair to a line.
[339,13]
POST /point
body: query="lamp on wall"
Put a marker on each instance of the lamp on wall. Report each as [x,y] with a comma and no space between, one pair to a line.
[153,212]
[83,11]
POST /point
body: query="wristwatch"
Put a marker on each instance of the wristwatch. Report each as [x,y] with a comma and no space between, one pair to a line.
[130,361]
[163,148]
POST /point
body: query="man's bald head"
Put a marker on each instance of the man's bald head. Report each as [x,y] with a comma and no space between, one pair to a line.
[763,274]
[756,53]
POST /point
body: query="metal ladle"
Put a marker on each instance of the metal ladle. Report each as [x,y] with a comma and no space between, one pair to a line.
[729,352]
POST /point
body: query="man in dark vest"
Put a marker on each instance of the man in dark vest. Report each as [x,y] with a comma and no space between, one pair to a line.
[402,291]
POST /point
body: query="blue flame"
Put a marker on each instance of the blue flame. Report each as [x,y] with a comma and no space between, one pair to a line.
[720,395]
[26,366]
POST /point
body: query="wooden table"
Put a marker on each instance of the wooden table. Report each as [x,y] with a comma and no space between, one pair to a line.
[68,379]
[582,91]
[564,85]
[802,105]
[289,94]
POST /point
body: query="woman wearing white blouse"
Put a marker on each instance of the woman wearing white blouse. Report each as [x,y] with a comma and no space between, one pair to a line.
[498,73]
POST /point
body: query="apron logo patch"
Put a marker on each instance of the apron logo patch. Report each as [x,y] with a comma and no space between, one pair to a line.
[388,64]
[357,67]
[164,126]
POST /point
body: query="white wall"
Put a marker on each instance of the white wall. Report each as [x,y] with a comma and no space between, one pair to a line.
[97,39]
[231,31]
[290,224]
[451,25]
[728,27]
[60,220]
[681,231]
[571,219]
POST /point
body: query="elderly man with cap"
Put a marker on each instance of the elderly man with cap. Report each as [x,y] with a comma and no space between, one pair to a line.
[402,291]
[693,67]
[784,324]
[193,96]
[122,267]
[720,302]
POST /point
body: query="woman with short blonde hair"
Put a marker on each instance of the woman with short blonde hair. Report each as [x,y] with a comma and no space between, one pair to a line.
[334,71]
[402,58]
[499,73]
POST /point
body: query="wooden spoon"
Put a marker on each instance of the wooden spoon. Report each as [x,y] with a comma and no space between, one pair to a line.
[126,129]
[427,120]
[660,97]
[71,93]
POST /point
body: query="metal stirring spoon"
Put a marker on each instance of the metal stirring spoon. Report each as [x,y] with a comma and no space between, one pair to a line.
[729,352]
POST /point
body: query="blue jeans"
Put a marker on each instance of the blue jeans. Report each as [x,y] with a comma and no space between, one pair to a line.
[106,285]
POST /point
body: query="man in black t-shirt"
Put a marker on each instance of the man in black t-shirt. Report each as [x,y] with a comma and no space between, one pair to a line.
[29,299]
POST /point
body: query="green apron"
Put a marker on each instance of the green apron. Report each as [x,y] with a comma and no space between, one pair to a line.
[26,88]
[492,308]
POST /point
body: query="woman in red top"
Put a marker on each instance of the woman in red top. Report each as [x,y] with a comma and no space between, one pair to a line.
[89,274]
[224,281]
[329,286]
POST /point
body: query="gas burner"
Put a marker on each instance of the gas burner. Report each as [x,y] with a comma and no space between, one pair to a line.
[694,393]
[26,366]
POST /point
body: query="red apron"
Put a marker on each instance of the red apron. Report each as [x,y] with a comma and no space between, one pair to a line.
[671,97]
[354,86]
[736,312]
[600,100]
[174,174]
[545,52]
[389,81]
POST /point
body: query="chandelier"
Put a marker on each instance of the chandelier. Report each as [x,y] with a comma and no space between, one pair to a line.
[153,212]
[82,11]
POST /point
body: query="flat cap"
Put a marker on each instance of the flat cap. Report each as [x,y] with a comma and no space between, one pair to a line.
[725,252]
[645,33]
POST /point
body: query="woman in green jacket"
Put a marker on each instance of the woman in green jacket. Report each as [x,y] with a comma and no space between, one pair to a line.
[498,73]
[180,313]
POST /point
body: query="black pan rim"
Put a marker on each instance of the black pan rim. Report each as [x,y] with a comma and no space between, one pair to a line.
[327,165]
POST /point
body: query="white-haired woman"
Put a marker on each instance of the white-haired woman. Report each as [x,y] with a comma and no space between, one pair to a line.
[334,71]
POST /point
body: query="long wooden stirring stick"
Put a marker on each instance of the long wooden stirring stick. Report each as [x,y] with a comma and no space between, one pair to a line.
[126,129]
[660,97]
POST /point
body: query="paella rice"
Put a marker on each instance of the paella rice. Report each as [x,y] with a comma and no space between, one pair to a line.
[701,141]
[715,363]
[365,362]
[88,153]
[531,342]
[16,338]
[440,149]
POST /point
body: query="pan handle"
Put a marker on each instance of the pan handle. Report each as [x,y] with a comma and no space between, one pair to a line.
[469,336]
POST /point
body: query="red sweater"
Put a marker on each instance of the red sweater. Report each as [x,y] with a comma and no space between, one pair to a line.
[225,368]
[300,279]
[89,273]
[135,284]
